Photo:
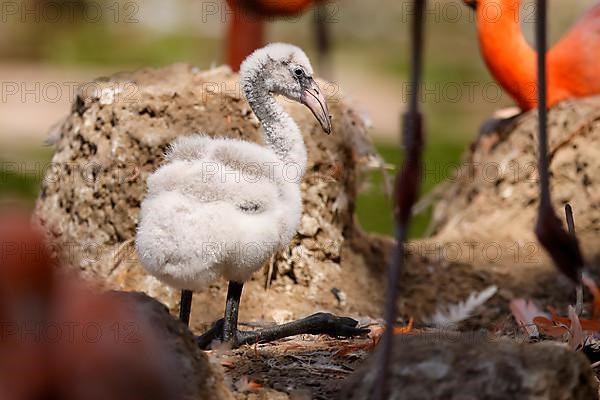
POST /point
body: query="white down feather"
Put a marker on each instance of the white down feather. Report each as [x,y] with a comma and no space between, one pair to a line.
[218,207]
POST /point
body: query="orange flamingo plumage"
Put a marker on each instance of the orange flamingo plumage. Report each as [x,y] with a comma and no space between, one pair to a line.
[573,62]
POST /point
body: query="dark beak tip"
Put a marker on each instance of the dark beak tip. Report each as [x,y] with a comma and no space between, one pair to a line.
[328,126]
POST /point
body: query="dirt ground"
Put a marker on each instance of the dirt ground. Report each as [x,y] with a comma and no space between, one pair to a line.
[303,368]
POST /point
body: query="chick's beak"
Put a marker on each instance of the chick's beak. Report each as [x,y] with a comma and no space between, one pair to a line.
[315,101]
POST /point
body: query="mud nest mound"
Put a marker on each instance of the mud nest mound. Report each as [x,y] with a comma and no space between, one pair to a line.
[483,219]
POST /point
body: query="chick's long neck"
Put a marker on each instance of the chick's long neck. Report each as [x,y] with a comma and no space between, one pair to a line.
[280,132]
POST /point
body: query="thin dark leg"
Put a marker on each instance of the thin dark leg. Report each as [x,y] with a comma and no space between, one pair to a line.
[405,193]
[225,329]
[323,40]
[394,271]
[232,307]
[186,306]
[562,246]
[317,324]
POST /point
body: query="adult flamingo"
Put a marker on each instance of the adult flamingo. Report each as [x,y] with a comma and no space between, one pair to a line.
[573,63]
[246,30]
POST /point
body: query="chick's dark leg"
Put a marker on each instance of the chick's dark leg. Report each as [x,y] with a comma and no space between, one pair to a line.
[225,329]
[316,324]
[232,308]
[185,306]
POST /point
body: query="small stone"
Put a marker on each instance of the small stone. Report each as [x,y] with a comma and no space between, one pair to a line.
[309,226]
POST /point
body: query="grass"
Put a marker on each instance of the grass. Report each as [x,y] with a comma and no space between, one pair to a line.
[98,45]
[21,173]
[19,186]
[374,210]
[130,49]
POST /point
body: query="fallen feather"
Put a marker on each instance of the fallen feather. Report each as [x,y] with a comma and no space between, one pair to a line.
[456,313]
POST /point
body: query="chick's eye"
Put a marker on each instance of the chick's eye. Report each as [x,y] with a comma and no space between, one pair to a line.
[298,72]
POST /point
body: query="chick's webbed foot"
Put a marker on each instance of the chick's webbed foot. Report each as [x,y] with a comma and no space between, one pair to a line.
[316,324]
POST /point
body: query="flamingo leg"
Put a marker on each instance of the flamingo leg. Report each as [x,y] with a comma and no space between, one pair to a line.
[186,306]
[323,37]
[562,246]
[245,34]
[405,193]
[227,330]
[232,308]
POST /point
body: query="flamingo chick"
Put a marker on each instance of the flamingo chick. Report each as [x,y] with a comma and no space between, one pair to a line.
[223,207]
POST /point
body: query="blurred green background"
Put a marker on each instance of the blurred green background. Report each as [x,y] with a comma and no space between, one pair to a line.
[40,51]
